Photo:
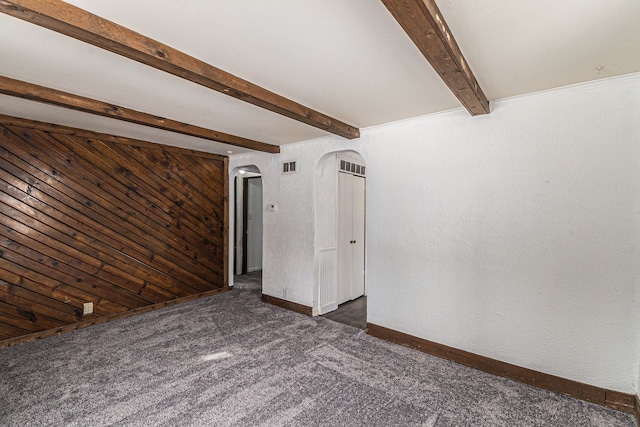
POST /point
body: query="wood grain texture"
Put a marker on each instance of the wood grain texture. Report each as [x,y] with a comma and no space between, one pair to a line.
[46,95]
[91,219]
[424,24]
[636,409]
[620,401]
[74,22]
[8,341]
[83,133]
[292,306]
[612,399]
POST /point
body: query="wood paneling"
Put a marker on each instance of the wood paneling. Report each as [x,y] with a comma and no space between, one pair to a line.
[612,399]
[8,341]
[86,217]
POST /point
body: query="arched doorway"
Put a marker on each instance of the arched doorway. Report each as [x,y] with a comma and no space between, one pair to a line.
[247,231]
[339,230]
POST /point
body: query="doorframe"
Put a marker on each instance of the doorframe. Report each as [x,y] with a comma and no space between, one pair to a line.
[326,229]
[235,226]
[252,171]
[245,224]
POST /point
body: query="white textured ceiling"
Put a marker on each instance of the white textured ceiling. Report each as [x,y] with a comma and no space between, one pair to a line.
[348,59]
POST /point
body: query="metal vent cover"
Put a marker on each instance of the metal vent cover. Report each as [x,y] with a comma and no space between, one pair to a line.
[352,168]
[289,167]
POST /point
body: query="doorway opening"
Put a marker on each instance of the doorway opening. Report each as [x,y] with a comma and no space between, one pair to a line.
[340,238]
[352,313]
[248,232]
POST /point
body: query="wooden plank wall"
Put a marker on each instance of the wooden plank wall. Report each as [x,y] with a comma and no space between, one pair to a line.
[86,217]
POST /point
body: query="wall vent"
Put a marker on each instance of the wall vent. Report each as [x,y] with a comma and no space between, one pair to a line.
[352,168]
[289,167]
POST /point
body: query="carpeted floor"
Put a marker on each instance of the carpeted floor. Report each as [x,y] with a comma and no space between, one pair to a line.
[231,360]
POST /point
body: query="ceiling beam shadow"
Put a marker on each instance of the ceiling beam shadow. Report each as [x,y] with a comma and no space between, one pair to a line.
[47,95]
[79,24]
[424,24]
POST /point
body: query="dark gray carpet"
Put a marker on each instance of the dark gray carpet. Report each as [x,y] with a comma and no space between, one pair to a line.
[231,360]
[352,313]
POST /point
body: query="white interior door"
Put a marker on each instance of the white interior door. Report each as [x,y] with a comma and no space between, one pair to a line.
[345,238]
[351,219]
[357,248]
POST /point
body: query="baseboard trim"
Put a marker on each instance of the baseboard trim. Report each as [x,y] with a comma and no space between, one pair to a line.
[620,401]
[104,319]
[612,399]
[636,409]
[292,306]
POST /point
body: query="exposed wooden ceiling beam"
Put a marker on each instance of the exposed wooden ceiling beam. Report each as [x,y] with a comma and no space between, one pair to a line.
[423,22]
[46,95]
[74,22]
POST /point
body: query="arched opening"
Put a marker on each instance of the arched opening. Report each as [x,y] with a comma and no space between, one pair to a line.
[247,234]
[340,237]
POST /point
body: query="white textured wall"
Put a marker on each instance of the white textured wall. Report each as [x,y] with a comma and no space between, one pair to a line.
[288,248]
[514,235]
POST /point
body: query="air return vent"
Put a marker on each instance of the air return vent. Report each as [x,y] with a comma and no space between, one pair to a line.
[352,168]
[289,167]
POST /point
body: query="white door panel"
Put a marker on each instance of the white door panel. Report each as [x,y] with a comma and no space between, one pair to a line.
[357,271]
[351,219]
